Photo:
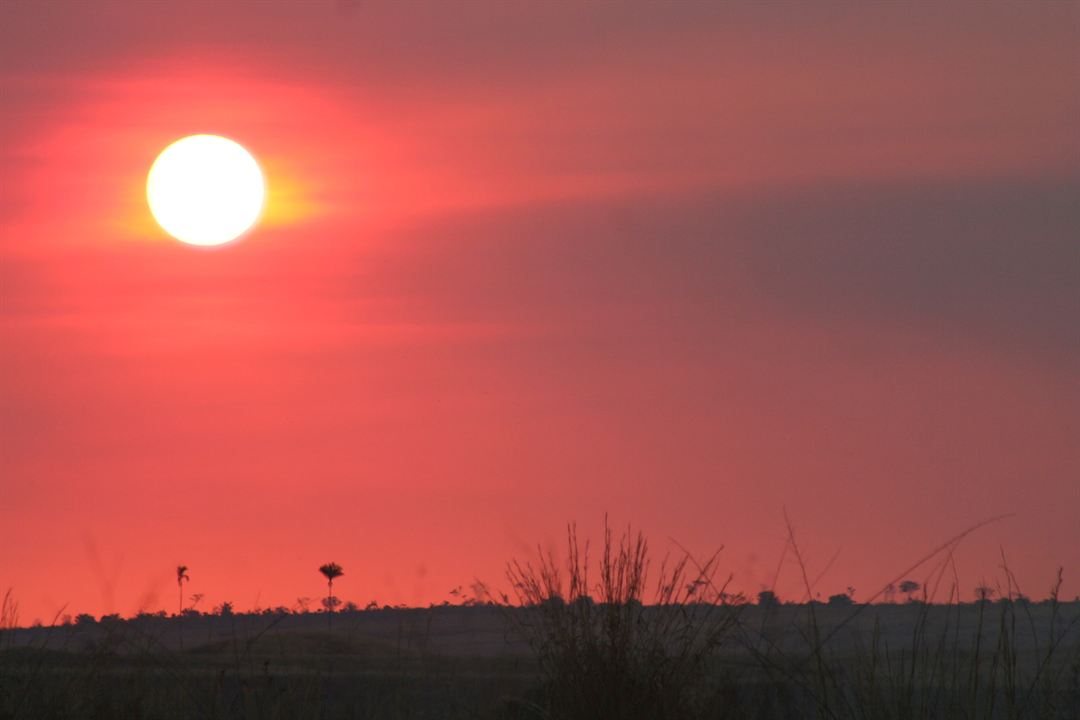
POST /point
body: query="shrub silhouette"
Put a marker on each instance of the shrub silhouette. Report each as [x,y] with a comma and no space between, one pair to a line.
[841,600]
[768,599]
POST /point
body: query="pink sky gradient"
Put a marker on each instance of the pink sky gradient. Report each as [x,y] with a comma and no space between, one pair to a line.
[524,264]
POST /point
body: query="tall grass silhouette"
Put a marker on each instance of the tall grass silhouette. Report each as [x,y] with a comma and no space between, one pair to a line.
[629,645]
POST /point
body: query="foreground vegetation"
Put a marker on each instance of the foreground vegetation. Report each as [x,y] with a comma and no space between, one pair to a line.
[637,642]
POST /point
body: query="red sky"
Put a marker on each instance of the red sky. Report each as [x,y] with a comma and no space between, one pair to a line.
[522,264]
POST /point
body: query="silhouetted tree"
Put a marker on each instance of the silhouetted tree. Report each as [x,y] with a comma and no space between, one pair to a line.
[181,576]
[767,599]
[908,587]
[330,571]
[984,592]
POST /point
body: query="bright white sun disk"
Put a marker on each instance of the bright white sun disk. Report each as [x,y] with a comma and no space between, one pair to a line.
[205,190]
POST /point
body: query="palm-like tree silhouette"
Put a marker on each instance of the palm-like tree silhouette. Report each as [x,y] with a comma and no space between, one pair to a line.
[181,576]
[330,571]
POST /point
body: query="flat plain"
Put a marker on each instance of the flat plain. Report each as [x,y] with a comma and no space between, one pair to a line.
[1003,659]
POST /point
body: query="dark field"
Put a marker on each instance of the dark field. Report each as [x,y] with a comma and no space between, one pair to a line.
[989,660]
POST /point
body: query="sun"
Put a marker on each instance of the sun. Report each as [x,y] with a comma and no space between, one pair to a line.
[205,190]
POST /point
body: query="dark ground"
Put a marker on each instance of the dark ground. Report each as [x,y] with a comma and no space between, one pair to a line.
[465,662]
